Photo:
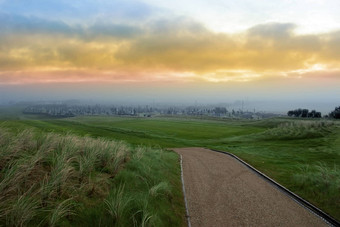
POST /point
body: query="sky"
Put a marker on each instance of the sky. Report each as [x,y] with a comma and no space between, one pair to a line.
[185,51]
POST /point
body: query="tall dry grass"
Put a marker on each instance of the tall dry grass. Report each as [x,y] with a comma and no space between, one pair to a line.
[300,129]
[47,179]
[42,176]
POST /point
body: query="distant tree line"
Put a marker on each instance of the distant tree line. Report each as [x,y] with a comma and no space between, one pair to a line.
[65,110]
[304,113]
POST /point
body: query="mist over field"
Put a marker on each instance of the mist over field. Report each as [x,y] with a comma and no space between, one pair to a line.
[277,99]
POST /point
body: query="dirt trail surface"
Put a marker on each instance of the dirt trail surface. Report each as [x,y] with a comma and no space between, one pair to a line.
[221,191]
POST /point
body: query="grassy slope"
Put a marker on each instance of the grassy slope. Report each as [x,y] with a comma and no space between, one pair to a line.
[150,132]
[306,163]
[65,180]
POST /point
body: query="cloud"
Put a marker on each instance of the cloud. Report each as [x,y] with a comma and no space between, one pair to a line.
[281,37]
[108,30]
[16,24]
[76,75]
[160,47]
[332,47]
[31,26]
[272,31]
[264,47]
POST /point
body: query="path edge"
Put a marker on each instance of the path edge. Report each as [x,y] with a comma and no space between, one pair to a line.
[310,207]
[184,194]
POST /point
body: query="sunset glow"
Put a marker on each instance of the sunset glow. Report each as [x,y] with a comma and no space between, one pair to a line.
[159,42]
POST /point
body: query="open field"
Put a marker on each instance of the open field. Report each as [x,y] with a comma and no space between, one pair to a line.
[303,155]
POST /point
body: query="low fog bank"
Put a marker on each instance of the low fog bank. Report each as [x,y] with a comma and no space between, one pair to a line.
[246,105]
[260,99]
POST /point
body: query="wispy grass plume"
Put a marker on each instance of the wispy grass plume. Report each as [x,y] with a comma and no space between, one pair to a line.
[117,205]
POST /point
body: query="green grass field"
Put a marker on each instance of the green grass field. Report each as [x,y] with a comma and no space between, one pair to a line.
[302,155]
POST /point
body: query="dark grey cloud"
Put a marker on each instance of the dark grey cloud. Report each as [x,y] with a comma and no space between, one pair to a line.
[113,30]
[281,36]
[277,31]
[30,25]
[11,23]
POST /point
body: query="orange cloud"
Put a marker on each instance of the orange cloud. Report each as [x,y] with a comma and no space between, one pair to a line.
[163,51]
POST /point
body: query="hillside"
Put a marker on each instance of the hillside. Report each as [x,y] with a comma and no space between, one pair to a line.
[66,180]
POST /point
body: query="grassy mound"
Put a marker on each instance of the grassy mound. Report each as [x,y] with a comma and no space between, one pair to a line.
[55,180]
[299,130]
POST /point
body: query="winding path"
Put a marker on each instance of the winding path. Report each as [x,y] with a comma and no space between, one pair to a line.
[220,191]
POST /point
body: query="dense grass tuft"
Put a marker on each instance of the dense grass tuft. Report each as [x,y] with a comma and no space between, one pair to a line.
[321,182]
[299,130]
[117,205]
[53,180]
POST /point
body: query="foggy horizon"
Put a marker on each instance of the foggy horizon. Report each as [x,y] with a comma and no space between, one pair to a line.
[266,106]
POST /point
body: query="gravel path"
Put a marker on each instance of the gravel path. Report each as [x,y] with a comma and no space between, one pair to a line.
[222,192]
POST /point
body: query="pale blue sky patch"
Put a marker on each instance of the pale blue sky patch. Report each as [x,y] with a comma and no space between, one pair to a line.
[80,10]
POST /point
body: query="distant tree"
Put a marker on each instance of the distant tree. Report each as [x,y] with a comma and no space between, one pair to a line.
[335,113]
[314,114]
[304,113]
[291,113]
[317,115]
[311,114]
[298,112]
